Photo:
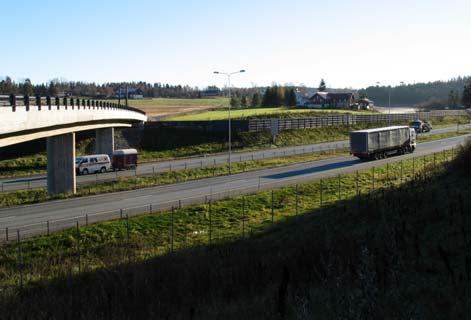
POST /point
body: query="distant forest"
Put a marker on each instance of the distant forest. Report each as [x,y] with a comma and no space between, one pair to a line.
[436,94]
[106,90]
[432,94]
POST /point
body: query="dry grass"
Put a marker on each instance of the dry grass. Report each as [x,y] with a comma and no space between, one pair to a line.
[166,106]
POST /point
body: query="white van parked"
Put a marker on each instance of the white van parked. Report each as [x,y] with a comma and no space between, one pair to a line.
[92,163]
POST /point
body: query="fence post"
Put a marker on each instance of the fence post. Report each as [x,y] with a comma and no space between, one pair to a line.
[6,234]
[121,213]
[297,200]
[20,257]
[243,217]
[321,192]
[434,160]
[356,182]
[387,173]
[171,229]
[339,186]
[210,222]
[86,219]
[78,245]
[47,225]
[413,167]
[373,178]
[272,209]
[402,170]
[424,165]
[128,239]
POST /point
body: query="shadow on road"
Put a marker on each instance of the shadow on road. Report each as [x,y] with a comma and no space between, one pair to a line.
[325,167]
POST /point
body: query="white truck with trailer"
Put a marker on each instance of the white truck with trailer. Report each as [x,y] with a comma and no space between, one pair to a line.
[379,143]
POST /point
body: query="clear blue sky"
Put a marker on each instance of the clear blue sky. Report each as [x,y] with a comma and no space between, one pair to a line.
[349,43]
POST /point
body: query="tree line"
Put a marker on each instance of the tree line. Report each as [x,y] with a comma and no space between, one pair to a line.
[432,94]
[272,96]
[106,90]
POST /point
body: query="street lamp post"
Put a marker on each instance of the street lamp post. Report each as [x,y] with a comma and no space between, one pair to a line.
[229,74]
[389,101]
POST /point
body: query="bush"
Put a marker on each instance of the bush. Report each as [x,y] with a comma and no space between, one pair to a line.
[463,161]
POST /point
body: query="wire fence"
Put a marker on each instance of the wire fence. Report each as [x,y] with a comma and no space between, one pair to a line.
[182,225]
[346,119]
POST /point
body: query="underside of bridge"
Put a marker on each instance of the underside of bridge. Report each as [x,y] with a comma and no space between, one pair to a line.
[57,119]
[104,141]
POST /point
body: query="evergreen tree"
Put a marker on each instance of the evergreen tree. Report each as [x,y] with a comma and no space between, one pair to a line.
[52,90]
[322,86]
[451,99]
[256,100]
[243,102]
[466,99]
[457,99]
[291,98]
[267,100]
[235,102]
[279,96]
[27,88]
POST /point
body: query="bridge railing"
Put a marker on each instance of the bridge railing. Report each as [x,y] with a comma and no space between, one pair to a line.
[55,103]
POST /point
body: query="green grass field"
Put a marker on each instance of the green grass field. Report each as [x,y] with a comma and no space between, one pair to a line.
[252,112]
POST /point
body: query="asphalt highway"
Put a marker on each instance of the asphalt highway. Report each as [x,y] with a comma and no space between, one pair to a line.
[39,181]
[32,219]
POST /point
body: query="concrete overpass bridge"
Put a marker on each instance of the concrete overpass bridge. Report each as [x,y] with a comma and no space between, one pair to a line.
[24,118]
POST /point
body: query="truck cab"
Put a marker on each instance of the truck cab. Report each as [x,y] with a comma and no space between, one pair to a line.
[413,140]
[421,126]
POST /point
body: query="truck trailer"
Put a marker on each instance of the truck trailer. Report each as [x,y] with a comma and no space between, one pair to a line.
[379,143]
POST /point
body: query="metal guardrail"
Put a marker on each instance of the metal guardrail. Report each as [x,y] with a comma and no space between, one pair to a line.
[50,103]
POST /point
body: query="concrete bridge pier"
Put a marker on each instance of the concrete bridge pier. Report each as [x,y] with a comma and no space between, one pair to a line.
[104,141]
[61,164]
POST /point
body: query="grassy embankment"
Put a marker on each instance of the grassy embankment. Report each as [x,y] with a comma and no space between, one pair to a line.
[399,252]
[278,112]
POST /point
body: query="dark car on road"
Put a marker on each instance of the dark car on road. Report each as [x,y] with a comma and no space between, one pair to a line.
[421,126]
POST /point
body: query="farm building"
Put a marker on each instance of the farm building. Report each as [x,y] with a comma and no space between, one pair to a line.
[330,100]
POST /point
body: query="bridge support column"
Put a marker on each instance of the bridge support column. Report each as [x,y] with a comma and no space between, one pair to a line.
[61,164]
[104,141]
